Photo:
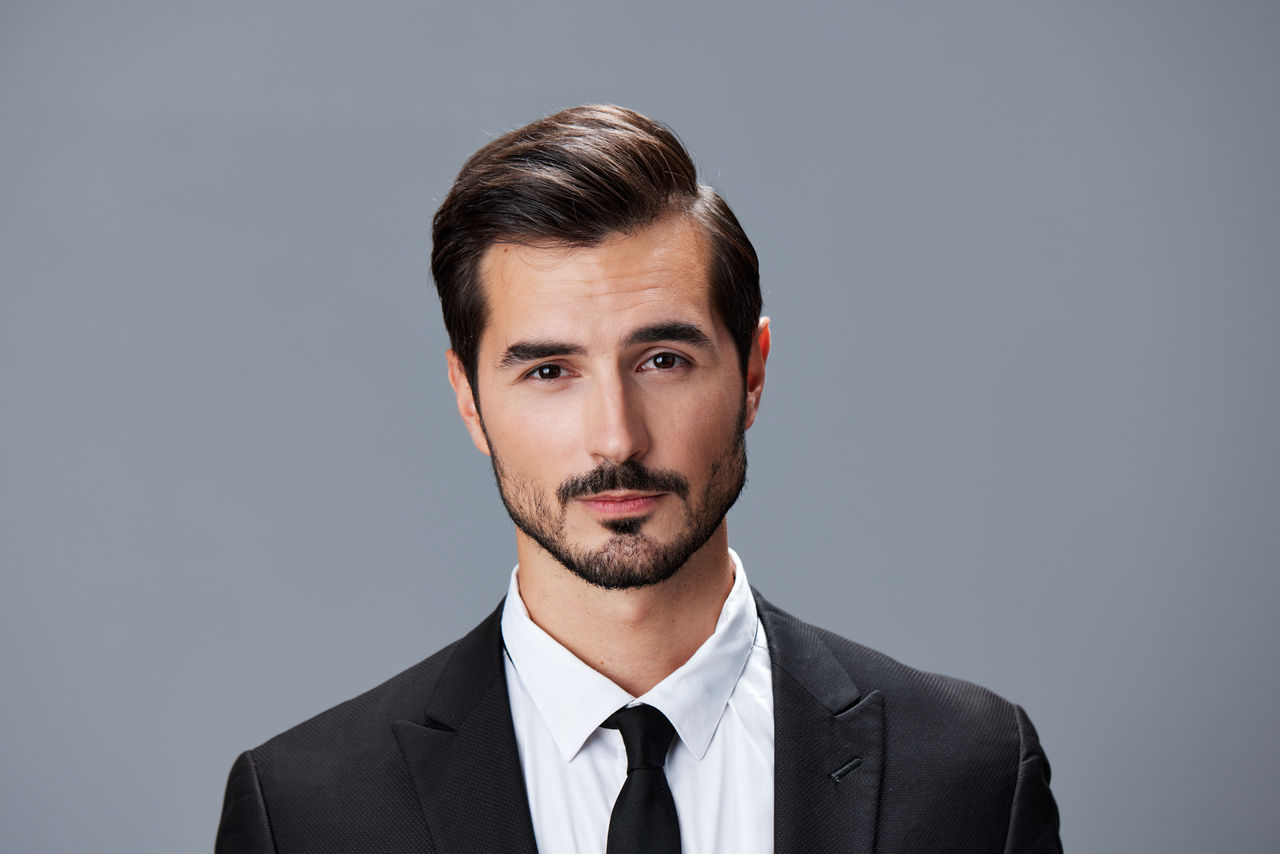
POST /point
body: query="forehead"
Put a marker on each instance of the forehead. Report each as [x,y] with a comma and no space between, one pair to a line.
[660,271]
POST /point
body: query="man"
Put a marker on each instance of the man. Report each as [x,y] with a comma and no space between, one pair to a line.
[631,693]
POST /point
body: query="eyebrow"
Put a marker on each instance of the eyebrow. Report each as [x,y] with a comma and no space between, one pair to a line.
[685,333]
[524,352]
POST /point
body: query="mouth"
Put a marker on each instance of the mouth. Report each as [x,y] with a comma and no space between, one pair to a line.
[620,504]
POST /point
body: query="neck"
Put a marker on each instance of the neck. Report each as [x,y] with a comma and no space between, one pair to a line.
[635,637]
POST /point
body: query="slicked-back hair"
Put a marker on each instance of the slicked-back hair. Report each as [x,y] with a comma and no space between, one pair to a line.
[574,179]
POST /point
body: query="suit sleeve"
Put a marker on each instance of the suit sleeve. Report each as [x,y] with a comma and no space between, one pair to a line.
[1033,820]
[244,828]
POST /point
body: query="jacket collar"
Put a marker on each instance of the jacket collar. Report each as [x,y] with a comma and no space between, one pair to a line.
[828,748]
[463,756]
[828,743]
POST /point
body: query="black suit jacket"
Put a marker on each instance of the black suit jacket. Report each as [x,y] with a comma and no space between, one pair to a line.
[869,755]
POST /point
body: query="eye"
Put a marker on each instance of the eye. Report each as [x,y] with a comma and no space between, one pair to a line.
[664,361]
[546,372]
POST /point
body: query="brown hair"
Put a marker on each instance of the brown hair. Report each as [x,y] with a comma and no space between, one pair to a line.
[573,179]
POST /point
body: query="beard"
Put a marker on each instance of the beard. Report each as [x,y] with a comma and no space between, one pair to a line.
[629,558]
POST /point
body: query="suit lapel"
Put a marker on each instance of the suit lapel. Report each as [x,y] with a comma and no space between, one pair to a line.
[828,744]
[463,755]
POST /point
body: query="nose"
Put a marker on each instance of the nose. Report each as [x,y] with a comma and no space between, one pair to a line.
[615,422]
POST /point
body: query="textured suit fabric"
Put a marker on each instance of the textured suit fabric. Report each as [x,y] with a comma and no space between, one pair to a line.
[870,755]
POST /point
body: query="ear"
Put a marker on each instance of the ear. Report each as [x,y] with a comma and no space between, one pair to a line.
[466,402]
[755,369]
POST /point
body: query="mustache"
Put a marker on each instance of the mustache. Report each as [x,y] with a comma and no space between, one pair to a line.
[630,475]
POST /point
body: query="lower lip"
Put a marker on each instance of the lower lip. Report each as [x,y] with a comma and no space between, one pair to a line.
[622,507]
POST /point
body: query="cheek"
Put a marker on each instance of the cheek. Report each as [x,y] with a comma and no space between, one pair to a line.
[704,427]
[537,441]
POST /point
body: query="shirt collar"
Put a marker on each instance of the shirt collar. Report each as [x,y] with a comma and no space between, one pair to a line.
[573,699]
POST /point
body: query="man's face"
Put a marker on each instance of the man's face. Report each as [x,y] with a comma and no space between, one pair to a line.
[614,407]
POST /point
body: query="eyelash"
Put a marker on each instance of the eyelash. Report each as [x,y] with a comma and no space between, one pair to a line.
[534,374]
[680,360]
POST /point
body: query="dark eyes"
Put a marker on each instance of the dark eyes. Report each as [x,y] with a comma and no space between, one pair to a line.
[547,372]
[656,362]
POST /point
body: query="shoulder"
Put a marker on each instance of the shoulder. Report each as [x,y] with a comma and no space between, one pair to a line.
[407,696]
[957,758]
[318,783]
[927,699]
[924,704]
[354,723]
[936,726]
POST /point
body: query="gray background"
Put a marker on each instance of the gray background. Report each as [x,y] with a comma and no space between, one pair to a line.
[1020,423]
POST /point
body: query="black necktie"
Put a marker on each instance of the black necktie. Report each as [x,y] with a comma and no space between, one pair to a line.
[644,816]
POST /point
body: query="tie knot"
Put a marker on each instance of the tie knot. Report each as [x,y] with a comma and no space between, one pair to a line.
[646,733]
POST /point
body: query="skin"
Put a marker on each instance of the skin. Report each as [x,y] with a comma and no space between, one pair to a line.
[598,388]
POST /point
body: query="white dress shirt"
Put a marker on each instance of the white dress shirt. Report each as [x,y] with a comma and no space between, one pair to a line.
[720,702]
